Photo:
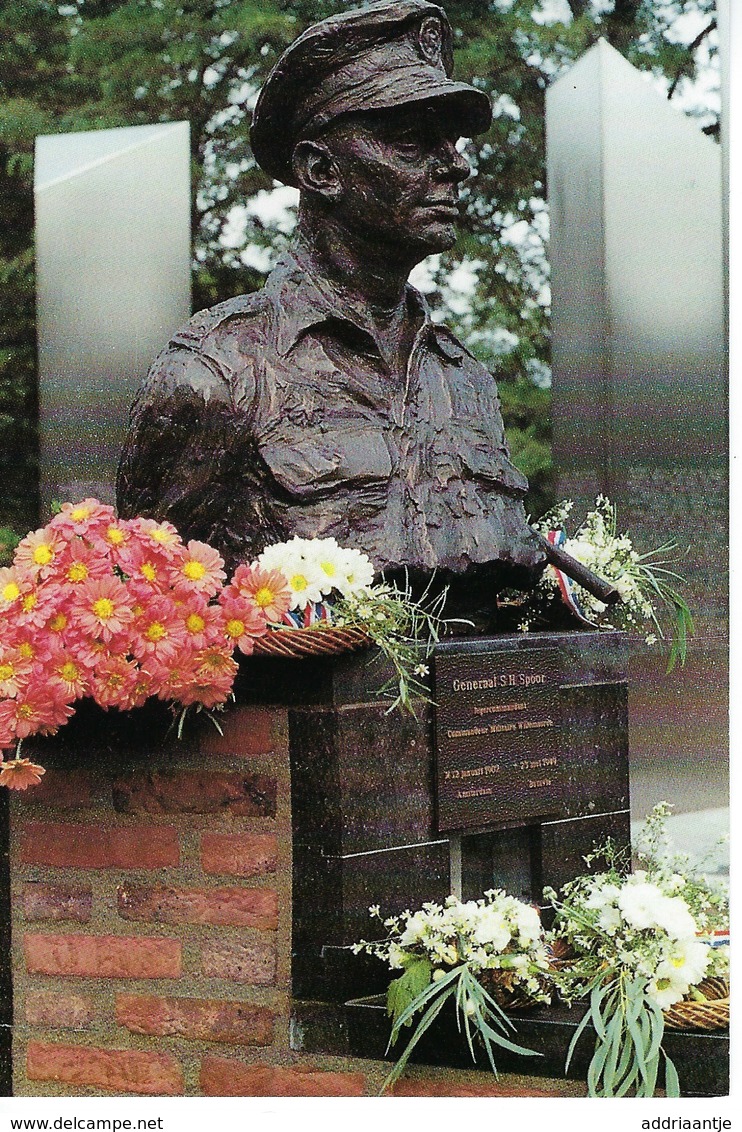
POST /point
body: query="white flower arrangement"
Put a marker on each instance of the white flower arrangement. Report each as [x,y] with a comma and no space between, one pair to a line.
[477,953]
[636,948]
[645,582]
[330,585]
[319,568]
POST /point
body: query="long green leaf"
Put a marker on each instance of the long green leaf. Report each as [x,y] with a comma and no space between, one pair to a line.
[472,991]
[630,1078]
[648,1081]
[596,999]
[635,995]
[501,1040]
[615,1037]
[586,1018]
[496,1009]
[672,1082]
[433,989]
[657,1022]
[595,1068]
[625,1071]
[424,1024]
[463,992]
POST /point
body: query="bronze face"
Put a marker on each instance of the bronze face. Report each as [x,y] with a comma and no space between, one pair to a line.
[398,174]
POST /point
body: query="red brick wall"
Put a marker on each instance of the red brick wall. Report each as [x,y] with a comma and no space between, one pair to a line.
[152,931]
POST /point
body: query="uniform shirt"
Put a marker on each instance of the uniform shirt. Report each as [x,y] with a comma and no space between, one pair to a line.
[274,414]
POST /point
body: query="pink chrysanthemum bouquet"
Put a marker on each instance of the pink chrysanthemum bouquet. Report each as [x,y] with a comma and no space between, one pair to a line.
[122,610]
[116,610]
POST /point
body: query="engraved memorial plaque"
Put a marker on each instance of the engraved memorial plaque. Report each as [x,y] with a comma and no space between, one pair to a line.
[497,736]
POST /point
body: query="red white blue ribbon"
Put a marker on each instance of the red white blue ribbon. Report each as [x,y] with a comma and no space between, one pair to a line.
[564,583]
[311,614]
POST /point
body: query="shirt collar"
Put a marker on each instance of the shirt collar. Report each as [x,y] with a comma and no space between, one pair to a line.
[304,301]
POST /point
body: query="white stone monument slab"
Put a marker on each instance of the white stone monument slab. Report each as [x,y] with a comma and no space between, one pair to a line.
[113,283]
[639,373]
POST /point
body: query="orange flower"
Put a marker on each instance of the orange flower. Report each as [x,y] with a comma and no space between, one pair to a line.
[266,590]
[20,774]
[37,554]
[199,567]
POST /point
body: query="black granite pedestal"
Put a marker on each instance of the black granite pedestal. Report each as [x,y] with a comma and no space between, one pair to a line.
[360,1028]
[365,816]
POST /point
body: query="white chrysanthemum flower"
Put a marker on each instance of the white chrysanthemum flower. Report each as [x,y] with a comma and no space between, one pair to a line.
[664,992]
[673,915]
[626,586]
[602,895]
[492,929]
[325,556]
[638,903]
[529,924]
[674,976]
[396,956]
[689,960]
[416,929]
[274,557]
[304,580]
[478,958]
[581,549]
[609,920]
[356,571]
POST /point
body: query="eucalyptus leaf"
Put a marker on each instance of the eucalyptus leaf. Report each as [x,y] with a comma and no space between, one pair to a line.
[585,1021]
[433,989]
[615,1036]
[424,1024]
[672,1083]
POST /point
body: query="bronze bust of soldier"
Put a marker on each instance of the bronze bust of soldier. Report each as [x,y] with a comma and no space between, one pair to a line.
[329,403]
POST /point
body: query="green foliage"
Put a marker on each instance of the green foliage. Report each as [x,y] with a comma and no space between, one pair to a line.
[405,632]
[644,582]
[618,963]
[476,1012]
[8,542]
[402,992]
[89,64]
[526,411]
[629,1029]
[655,573]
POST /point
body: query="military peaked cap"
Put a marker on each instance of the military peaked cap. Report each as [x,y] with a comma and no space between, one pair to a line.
[374,58]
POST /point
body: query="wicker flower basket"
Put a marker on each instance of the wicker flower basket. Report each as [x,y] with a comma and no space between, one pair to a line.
[508,997]
[686,1014]
[710,1015]
[317,640]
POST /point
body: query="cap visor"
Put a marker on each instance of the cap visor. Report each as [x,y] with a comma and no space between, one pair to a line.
[422,84]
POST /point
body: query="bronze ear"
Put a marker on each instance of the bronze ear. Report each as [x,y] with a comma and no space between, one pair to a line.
[315,170]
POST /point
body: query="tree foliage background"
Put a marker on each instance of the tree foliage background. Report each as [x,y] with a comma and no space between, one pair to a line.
[91,64]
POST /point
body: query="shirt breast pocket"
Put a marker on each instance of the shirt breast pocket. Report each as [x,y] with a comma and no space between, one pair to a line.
[330,461]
